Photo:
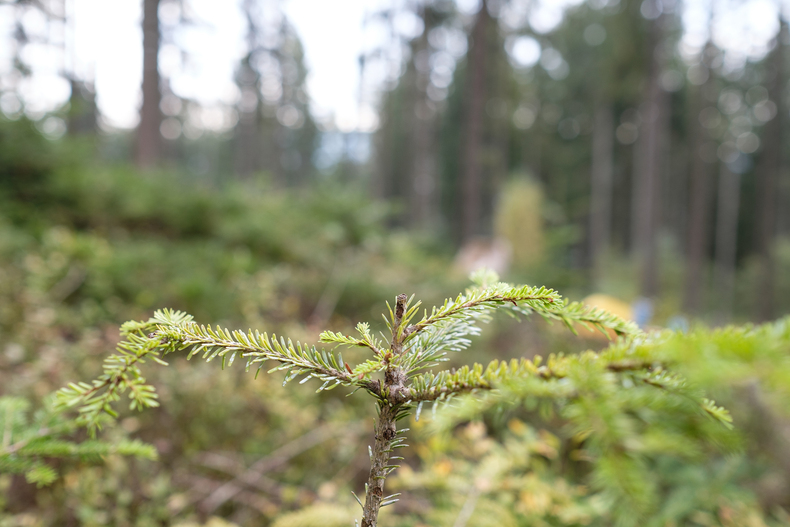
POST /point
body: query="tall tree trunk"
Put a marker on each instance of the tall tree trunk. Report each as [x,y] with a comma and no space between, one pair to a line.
[697,240]
[248,154]
[650,165]
[471,198]
[601,178]
[767,182]
[149,140]
[82,116]
[423,185]
[422,181]
[729,193]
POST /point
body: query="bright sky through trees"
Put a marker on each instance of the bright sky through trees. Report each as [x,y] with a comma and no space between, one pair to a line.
[103,42]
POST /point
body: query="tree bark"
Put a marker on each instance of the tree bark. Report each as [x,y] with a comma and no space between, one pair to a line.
[601,186]
[697,240]
[82,114]
[423,184]
[149,140]
[385,433]
[473,137]
[248,152]
[769,168]
[646,212]
[729,193]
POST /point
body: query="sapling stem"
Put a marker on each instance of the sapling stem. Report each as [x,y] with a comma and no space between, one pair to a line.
[385,434]
[393,394]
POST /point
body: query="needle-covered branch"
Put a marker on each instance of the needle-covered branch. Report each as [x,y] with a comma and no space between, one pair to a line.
[556,379]
[170,331]
[365,340]
[450,326]
[525,300]
[480,300]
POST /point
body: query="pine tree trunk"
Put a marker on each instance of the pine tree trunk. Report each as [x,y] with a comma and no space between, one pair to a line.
[729,193]
[422,181]
[646,212]
[769,168]
[82,116]
[471,199]
[248,154]
[697,240]
[149,140]
[248,158]
[601,186]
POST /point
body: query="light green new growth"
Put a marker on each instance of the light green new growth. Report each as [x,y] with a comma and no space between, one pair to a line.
[393,374]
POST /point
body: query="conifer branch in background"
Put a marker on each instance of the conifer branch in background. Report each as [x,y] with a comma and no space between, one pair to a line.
[28,442]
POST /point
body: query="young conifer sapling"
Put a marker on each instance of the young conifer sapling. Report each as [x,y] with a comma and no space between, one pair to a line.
[399,374]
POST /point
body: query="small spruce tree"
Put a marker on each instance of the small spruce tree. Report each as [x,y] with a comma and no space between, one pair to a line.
[399,375]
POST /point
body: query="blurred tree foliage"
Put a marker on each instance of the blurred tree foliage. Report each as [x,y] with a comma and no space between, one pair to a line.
[657,146]
[649,147]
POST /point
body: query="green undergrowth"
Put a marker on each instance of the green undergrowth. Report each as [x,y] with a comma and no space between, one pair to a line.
[85,247]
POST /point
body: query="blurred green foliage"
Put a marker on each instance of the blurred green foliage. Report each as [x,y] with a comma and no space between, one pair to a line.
[100,244]
[86,246]
[739,479]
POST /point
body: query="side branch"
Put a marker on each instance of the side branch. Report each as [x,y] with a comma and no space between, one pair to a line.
[255,347]
[588,316]
[330,337]
[534,297]
[429,387]
[444,386]
[170,331]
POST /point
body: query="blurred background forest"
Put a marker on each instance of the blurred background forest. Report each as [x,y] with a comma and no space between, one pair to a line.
[627,148]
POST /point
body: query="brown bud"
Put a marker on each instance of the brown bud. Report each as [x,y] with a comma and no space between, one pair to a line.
[400,305]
